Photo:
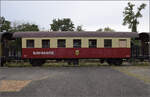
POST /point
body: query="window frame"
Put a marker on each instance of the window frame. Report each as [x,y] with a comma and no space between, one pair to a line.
[77,46]
[28,45]
[58,45]
[92,46]
[106,45]
[123,46]
[45,46]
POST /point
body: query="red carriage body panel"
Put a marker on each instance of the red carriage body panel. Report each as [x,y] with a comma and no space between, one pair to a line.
[55,53]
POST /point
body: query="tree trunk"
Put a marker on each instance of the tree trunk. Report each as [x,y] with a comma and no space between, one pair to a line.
[134,27]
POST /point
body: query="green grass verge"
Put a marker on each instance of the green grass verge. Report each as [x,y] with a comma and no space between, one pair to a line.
[54,64]
[18,64]
[140,63]
[65,64]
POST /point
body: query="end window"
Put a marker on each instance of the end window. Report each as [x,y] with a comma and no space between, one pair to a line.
[107,43]
[61,43]
[92,43]
[45,43]
[122,43]
[30,43]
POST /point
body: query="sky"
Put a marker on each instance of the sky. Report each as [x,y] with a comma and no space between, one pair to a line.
[92,15]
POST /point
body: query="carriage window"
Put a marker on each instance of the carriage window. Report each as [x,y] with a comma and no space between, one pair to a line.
[76,43]
[30,43]
[122,43]
[107,43]
[92,43]
[45,43]
[61,43]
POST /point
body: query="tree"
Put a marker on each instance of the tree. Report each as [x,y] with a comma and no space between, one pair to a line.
[62,25]
[25,27]
[4,24]
[131,18]
[106,29]
[101,30]
[79,28]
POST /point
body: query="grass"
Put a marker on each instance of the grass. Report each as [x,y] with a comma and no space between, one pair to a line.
[18,64]
[65,64]
[82,63]
[53,64]
[141,63]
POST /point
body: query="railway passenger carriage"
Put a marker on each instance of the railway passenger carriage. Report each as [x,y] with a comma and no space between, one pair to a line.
[37,47]
[72,46]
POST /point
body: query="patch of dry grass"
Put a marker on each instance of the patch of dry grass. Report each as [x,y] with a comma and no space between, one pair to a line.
[13,85]
[139,72]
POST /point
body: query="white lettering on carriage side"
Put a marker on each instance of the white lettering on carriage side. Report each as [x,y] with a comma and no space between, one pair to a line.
[43,52]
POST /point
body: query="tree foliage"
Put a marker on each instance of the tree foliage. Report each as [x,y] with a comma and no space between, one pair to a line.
[106,29]
[62,25]
[4,24]
[79,28]
[130,17]
[25,27]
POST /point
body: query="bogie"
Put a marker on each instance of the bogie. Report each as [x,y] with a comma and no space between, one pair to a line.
[117,62]
[75,62]
[37,62]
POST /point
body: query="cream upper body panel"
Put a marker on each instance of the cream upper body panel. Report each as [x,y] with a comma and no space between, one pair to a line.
[84,41]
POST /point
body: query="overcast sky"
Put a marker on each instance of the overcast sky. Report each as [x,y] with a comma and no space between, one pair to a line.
[91,14]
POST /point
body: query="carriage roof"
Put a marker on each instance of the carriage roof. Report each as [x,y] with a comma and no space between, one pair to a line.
[74,34]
